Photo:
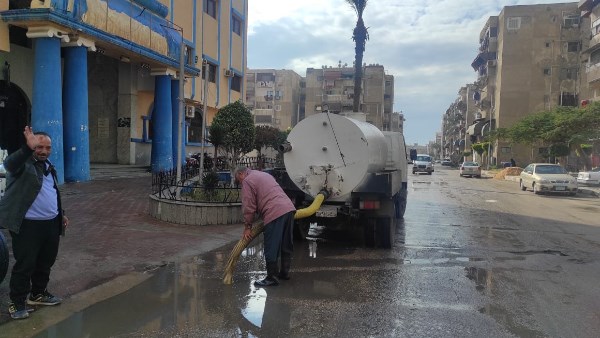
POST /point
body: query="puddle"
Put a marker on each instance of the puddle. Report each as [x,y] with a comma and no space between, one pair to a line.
[480,276]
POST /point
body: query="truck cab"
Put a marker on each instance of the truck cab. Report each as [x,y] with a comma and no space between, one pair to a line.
[423,163]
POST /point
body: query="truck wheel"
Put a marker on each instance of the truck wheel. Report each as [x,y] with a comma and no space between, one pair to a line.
[3,257]
[400,200]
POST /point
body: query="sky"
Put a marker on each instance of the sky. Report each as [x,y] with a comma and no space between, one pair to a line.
[427,45]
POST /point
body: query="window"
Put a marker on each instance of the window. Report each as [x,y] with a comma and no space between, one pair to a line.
[210,8]
[236,25]
[571,20]
[568,100]
[236,83]
[547,71]
[595,57]
[263,119]
[573,46]
[547,44]
[505,150]
[194,134]
[513,23]
[189,55]
[212,73]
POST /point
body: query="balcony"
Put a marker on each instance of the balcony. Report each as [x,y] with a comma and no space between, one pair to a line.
[593,73]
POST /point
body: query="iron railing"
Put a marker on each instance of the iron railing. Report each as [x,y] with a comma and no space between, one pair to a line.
[189,188]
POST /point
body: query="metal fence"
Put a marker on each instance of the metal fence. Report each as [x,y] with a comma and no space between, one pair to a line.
[189,188]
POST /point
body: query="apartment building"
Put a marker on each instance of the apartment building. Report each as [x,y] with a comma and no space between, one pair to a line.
[529,60]
[591,10]
[274,97]
[459,123]
[332,89]
[102,77]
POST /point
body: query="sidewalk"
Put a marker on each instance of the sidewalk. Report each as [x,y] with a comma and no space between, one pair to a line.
[112,237]
[582,189]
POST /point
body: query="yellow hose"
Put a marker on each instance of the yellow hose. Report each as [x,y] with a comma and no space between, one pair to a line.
[259,227]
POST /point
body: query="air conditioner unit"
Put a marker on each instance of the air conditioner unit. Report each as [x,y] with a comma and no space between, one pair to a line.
[492,63]
[190,112]
[277,107]
[228,73]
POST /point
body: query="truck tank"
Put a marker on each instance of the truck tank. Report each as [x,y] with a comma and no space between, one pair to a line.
[333,152]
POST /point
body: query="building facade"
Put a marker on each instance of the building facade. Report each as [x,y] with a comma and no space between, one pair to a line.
[102,77]
[529,60]
[332,89]
[274,97]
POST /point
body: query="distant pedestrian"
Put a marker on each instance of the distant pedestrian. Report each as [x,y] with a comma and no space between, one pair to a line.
[513,163]
[262,195]
[31,210]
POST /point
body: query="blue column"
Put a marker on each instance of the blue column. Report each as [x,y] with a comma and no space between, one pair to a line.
[75,115]
[175,105]
[46,110]
[162,125]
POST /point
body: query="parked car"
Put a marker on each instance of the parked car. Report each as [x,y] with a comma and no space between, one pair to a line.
[546,177]
[470,169]
[446,162]
[589,177]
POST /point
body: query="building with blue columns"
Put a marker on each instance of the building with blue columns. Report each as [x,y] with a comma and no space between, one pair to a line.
[102,77]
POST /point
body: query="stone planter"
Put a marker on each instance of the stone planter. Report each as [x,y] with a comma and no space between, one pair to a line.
[195,213]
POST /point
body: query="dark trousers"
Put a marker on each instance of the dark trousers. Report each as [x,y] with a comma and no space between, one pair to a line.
[35,248]
[279,237]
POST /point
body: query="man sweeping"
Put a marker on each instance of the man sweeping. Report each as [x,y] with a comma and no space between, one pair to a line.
[262,195]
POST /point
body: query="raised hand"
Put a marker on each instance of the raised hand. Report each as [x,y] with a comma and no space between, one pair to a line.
[32,140]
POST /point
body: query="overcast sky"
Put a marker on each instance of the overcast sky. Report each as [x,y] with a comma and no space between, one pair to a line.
[427,45]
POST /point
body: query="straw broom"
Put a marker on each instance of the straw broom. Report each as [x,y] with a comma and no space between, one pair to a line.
[257,229]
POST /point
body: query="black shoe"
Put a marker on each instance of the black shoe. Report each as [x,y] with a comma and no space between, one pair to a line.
[44,298]
[268,281]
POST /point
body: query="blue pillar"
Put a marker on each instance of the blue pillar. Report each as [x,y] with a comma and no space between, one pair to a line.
[162,125]
[75,115]
[175,105]
[46,110]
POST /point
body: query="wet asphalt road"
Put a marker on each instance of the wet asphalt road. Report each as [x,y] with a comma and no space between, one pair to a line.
[473,258]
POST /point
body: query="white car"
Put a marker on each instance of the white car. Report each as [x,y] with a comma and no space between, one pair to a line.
[589,177]
[547,177]
[470,169]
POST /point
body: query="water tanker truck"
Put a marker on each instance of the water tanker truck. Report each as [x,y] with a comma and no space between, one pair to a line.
[362,169]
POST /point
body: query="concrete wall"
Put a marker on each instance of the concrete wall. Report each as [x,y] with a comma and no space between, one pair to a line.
[195,213]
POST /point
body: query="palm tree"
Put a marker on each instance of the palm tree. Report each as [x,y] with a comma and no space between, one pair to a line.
[360,35]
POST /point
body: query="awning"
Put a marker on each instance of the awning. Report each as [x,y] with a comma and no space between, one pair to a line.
[485,130]
[475,128]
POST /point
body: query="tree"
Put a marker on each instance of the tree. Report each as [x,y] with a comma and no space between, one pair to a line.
[238,125]
[360,35]
[266,136]
[216,136]
[559,128]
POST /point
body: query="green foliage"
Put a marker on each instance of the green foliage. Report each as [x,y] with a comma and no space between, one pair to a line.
[587,149]
[210,180]
[480,148]
[558,150]
[238,125]
[467,153]
[266,136]
[216,136]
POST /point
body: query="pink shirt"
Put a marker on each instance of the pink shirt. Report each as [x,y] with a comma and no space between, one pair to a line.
[261,194]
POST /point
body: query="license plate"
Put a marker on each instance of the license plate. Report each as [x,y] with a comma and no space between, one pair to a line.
[559,188]
[327,211]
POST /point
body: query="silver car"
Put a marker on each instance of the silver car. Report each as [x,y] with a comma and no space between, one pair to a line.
[546,177]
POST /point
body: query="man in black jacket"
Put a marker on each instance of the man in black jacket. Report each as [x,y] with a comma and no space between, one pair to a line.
[31,210]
